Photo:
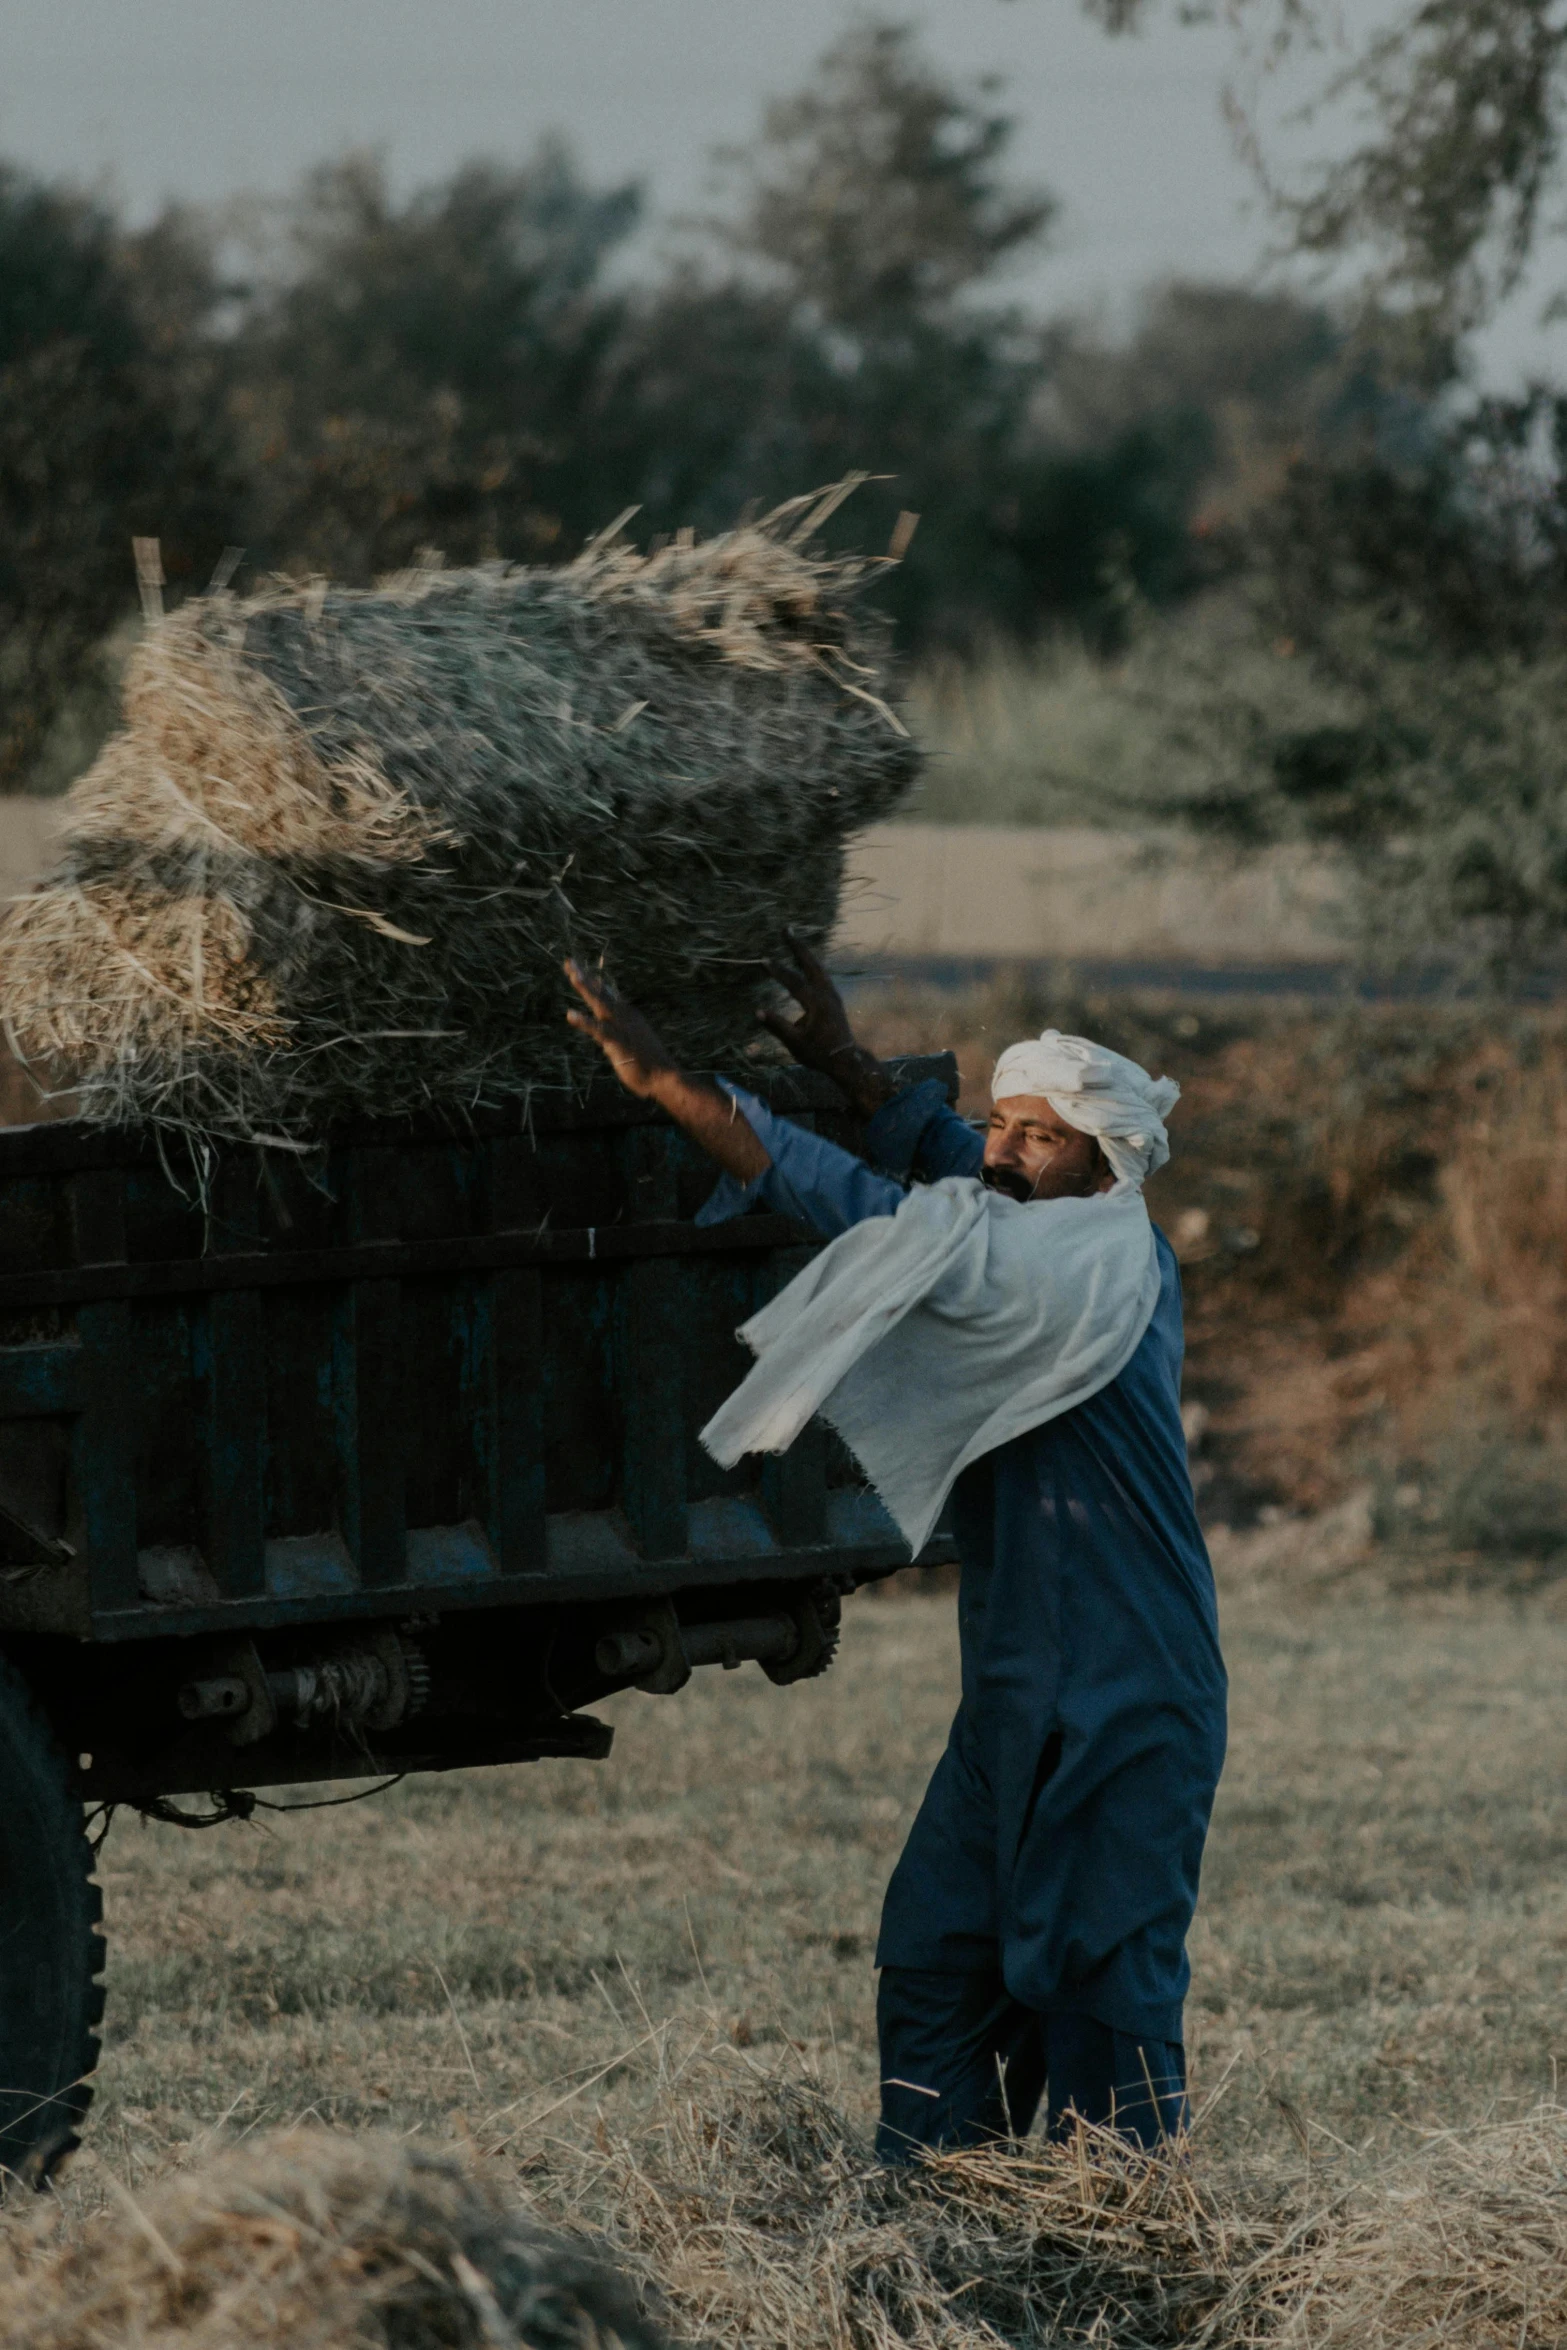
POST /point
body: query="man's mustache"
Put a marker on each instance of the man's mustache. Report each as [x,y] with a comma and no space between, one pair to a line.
[1010,1180]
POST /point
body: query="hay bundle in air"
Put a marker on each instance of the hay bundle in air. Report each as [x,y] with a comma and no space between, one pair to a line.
[334,859]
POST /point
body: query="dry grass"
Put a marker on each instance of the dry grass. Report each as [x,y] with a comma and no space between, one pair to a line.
[1370,1206]
[635,1998]
[753,2218]
[638,1996]
[1381,1937]
[757,2220]
[761,596]
[334,860]
[761,2216]
[314,2242]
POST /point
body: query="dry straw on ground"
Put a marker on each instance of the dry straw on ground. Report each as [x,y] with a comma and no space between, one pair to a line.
[762,2219]
[335,858]
[310,2241]
[755,2219]
[764,2223]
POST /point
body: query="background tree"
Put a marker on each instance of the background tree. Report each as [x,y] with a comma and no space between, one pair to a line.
[841,318]
[1456,169]
[463,369]
[1396,694]
[109,425]
[876,197]
[417,375]
[1274,374]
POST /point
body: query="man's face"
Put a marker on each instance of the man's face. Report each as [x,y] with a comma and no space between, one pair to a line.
[1032,1153]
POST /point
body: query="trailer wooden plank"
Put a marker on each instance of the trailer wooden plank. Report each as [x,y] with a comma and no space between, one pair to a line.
[504,1374]
[368,1383]
[368,1412]
[103,1469]
[64,1145]
[102,1463]
[41,1382]
[235,1392]
[467,1373]
[231,1365]
[511,1420]
[590,1557]
[387,1260]
[653,1460]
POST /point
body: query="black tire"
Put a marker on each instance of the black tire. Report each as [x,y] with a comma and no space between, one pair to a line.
[51,1952]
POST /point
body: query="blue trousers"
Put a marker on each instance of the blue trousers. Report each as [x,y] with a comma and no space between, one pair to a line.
[962,2061]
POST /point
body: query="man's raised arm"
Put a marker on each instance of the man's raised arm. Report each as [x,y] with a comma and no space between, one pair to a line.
[636,1053]
[792,1172]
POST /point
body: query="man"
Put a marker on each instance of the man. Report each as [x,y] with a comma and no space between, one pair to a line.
[1006,1331]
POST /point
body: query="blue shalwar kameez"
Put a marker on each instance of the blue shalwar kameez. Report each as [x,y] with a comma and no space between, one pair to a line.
[1033,1937]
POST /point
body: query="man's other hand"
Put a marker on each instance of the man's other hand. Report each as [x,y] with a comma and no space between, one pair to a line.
[821,1038]
[628,1040]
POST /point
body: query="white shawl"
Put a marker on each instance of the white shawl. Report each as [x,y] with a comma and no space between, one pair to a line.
[929,1337]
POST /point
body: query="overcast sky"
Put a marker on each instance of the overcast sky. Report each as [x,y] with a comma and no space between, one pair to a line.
[202,99]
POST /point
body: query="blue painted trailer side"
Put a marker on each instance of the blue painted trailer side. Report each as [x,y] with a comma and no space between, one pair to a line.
[433,1368]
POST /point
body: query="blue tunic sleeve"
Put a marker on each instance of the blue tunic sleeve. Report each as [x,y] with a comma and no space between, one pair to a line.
[810,1178]
[918,1133]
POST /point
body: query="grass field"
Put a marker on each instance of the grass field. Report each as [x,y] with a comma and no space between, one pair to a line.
[1382,1943]
[637,1996]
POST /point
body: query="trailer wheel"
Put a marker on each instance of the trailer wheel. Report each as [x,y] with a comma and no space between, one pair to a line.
[51,1952]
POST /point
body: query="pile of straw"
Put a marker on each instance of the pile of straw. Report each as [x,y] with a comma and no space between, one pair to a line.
[335,858]
[761,2219]
[756,2217]
[757,2220]
[311,2241]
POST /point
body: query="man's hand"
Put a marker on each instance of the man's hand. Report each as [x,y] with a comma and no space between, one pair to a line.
[629,1042]
[821,1038]
[635,1051]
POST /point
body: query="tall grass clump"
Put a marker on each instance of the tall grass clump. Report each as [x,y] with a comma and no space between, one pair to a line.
[1165,733]
[1026,735]
[759,2218]
[1425,780]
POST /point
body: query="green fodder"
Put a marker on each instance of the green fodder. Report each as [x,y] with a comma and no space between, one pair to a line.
[334,860]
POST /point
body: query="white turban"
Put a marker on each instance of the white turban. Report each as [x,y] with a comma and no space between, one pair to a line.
[1099,1092]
